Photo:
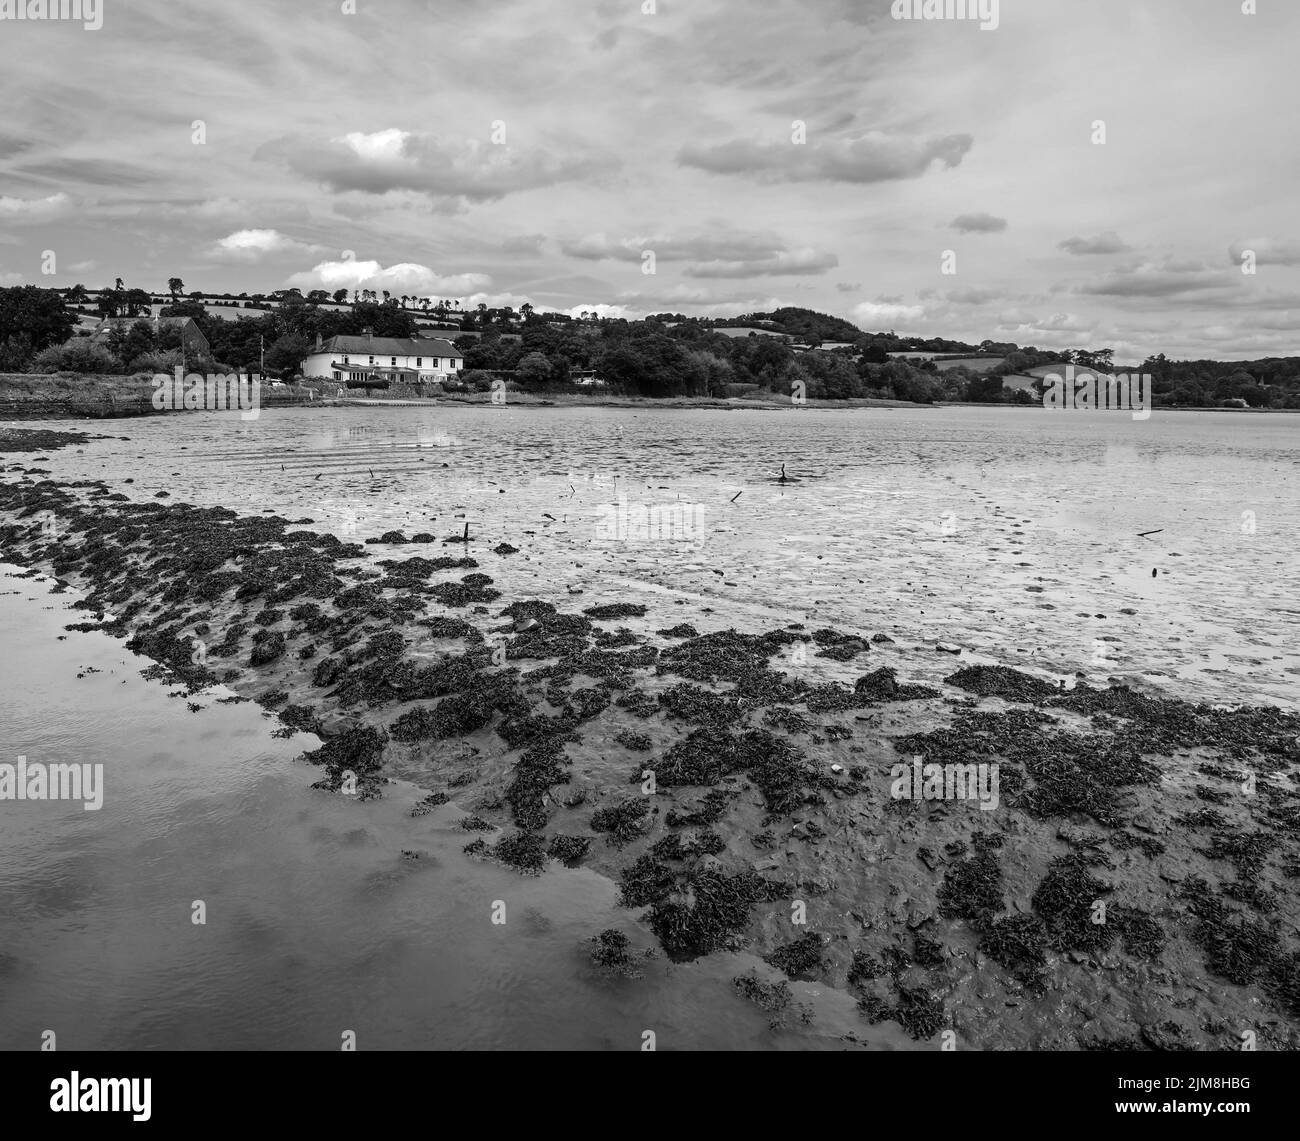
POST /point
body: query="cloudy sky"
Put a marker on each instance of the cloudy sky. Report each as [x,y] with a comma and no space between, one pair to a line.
[766,152]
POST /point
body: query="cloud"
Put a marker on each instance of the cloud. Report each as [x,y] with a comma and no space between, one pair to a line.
[973,296]
[97,172]
[874,157]
[1268,251]
[1107,243]
[805,261]
[523,245]
[34,209]
[1028,329]
[978,224]
[253,245]
[710,255]
[614,312]
[469,170]
[1170,278]
[11,279]
[402,278]
[849,286]
[711,245]
[878,314]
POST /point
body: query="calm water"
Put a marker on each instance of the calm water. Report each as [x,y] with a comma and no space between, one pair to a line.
[1007,532]
[316,924]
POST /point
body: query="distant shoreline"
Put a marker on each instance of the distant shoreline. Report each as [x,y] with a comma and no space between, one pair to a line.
[54,397]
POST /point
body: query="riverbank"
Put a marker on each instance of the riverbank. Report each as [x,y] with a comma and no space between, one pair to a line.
[59,397]
[772,753]
[35,396]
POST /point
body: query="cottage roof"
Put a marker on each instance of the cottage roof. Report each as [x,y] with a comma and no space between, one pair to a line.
[392,346]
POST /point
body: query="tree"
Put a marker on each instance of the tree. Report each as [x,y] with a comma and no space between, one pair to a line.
[135,302]
[78,355]
[133,343]
[534,369]
[119,286]
[175,286]
[107,303]
[34,318]
[340,296]
[77,295]
[286,354]
[526,311]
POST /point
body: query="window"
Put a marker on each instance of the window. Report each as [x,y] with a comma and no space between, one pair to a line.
[419,362]
[394,362]
[372,360]
[345,358]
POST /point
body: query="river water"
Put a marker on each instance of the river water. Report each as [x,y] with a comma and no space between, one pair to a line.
[1012,533]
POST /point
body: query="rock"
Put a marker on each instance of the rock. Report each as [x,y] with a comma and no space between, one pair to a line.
[947,648]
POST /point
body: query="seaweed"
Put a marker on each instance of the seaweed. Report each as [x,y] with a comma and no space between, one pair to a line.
[624,821]
[801,958]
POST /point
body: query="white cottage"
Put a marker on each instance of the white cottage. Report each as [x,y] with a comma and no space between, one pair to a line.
[419,360]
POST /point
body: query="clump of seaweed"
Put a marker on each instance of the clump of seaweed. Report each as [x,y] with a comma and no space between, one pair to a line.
[623,821]
[429,803]
[1018,943]
[611,951]
[711,909]
[800,958]
[774,998]
[616,610]
[709,810]
[539,768]
[569,849]
[356,752]
[1001,681]
[1066,898]
[524,851]
[972,889]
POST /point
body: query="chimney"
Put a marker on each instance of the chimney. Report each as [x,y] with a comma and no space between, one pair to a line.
[318,343]
[370,336]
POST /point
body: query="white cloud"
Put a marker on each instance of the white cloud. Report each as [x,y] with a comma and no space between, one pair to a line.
[873,315]
[253,245]
[34,209]
[402,278]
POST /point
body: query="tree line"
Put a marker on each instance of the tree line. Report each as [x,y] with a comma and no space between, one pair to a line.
[662,355]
